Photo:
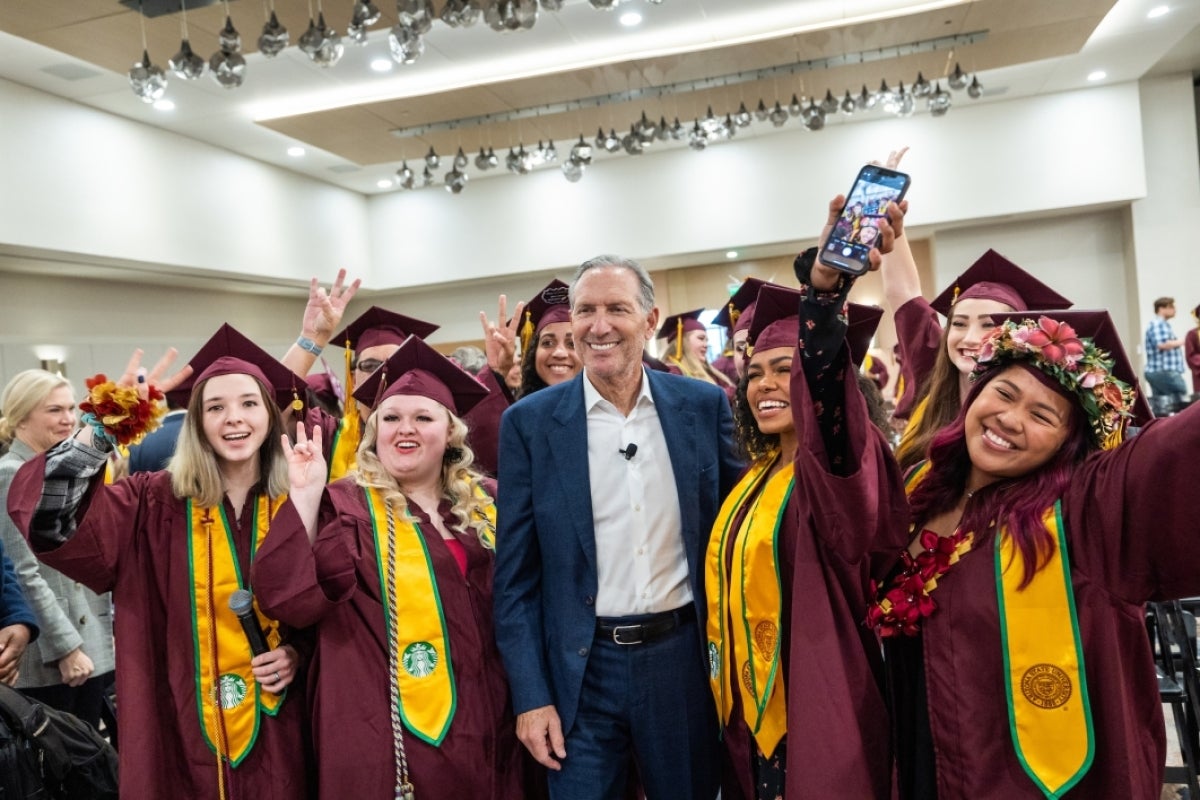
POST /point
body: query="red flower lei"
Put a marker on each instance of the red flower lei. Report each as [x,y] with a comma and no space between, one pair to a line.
[124,415]
[900,609]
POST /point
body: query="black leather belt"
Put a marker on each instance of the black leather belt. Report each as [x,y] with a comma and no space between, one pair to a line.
[626,630]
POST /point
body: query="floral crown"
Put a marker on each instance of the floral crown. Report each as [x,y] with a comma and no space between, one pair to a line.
[1078,365]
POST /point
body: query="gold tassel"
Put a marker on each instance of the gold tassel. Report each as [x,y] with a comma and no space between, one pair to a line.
[679,339]
[349,407]
[297,403]
[527,332]
[954,299]
[733,316]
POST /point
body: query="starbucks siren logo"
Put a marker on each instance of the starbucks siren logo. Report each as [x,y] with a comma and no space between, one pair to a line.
[420,659]
[232,690]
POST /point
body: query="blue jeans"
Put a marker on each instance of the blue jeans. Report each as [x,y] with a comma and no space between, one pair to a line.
[650,702]
[1164,383]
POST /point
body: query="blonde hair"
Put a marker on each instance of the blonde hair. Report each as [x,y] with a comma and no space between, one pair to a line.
[693,367]
[24,393]
[193,468]
[459,481]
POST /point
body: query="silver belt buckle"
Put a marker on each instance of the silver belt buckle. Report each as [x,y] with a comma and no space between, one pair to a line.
[616,634]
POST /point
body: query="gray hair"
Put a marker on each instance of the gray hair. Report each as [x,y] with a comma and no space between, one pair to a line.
[472,359]
[645,285]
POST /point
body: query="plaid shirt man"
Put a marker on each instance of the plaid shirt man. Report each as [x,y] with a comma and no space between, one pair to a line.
[1160,332]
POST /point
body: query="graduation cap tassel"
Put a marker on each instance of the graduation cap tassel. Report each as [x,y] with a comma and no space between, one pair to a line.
[527,332]
[679,339]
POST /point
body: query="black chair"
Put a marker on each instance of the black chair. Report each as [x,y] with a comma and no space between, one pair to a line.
[1178,685]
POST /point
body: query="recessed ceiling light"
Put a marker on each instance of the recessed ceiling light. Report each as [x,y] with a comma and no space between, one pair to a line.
[164,105]
[1097,75]
[731,254]
[1157,12]
[382,64]
[384,183]
[630,18]
[295,151]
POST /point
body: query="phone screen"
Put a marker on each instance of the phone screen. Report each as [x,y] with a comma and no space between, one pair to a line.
[857,229]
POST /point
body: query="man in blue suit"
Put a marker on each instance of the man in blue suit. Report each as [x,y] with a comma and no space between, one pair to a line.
[609,485]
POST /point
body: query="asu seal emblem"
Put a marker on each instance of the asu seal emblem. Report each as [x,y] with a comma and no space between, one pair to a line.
[714,661]
[420,659]
[1046,686]
[766,636]
[231,690]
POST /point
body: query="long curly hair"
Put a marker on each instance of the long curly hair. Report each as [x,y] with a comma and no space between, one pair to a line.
[458,479]
[1018,503]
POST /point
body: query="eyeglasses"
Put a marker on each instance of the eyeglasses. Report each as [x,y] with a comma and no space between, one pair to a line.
[368,366]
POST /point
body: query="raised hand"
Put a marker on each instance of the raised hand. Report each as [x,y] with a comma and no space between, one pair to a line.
[500,337]
[135,374]
[306,462]
[323,314]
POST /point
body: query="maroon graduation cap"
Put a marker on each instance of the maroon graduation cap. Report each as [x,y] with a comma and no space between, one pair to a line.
[418,369]
[994,277]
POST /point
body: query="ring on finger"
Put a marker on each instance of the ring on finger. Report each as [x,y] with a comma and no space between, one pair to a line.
[277,678]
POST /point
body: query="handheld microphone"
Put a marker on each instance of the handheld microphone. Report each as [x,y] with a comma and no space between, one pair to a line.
[241,603]
[629,451]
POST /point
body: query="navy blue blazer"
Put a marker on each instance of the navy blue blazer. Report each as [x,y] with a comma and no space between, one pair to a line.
[155,451]
[545,576]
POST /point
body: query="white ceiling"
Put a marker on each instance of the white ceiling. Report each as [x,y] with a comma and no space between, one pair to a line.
[1127,45]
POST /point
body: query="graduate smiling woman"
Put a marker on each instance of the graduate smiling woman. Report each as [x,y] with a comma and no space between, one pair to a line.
[393,567]
[1019,665]
[200,717]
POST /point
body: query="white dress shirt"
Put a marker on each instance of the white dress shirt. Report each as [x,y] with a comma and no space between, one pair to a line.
[640,559]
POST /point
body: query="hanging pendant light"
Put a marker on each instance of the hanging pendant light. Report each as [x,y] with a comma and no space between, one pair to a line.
[274,37]
[148,81]
[227,65]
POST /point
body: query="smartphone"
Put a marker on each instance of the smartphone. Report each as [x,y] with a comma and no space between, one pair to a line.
[857,228]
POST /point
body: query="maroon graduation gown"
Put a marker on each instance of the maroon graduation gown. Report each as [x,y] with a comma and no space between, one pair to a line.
[334,585]
[132,540]
[920,335]
[1191,351]
[1133,536]
[838,742]
[483,423]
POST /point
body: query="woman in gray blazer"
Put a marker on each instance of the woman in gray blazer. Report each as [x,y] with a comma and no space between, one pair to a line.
[71,663]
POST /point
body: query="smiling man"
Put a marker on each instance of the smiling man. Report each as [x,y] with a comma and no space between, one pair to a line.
[610,485]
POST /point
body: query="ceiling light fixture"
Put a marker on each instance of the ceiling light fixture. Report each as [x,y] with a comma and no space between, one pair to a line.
[731,254]
[381,64]
[164,105]
[295,151]
[384,183]
[1097,75]
[1157,11]
[630,19]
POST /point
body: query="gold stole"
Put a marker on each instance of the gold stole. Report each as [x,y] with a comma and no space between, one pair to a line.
[229,699]
[343,453]
[1048,710]
[752,590]
[914,420]
[1049,714]
[415,623]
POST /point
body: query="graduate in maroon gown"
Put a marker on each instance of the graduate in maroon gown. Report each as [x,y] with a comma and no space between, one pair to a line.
[936,361]
[788,573]
[393,568]
[686,351]
[1191,350]
[1018,660]
[371,339]
[548,354]
[735,316]
[200,718]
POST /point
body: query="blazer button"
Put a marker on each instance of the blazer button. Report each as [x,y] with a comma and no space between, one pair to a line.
[583,651]
[589,600]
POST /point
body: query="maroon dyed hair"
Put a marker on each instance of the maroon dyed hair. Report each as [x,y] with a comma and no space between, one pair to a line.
[1019,503]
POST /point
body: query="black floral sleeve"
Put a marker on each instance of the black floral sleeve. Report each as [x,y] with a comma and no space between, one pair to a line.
[823,324]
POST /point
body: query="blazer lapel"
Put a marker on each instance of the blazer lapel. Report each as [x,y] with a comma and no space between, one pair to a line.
[679,428]
[566,438]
